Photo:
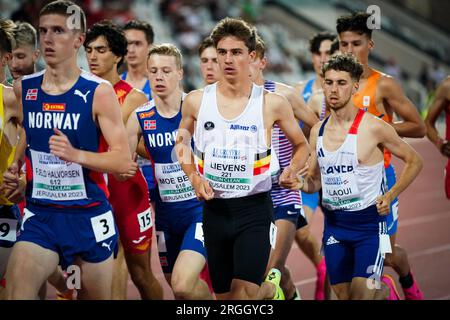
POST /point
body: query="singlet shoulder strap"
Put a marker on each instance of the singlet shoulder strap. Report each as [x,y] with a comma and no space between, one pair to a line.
[356,122]
[322,127]
[123,76]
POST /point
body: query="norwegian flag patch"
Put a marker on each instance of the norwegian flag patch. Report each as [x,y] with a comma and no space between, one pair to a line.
[31,94]
[149,124]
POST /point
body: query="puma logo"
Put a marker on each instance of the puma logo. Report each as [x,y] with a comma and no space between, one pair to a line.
[84,96]
[139,240]
[107,245]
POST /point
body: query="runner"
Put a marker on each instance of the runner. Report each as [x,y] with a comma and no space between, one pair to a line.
[382,96]
[106,46]
[10,117]
[287,204]
[68,220]
[178,212]
[441,103]
[140,37]
[209,66]
[232,155]
[312,93]
[348,165]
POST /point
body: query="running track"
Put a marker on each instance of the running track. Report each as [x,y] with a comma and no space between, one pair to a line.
[423,231]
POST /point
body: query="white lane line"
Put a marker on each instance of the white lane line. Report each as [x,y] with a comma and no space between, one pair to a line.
[423,219]
[432,250]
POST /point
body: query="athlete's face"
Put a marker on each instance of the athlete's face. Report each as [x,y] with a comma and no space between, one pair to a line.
[321,57]
[100,58]
[164,74]
[58,42]
[209,65]
[234,57]
[22,61]
[338,88]
[358,45]
[257,67]
[138,47]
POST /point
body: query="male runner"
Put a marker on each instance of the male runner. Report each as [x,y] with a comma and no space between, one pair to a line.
[312,93]
[178,212]
[382,96]
[287,204]
[106,46]
[140,35]
[68,220]
[232,120]
[348,165]
[209,66]
[441,103]
[10,117]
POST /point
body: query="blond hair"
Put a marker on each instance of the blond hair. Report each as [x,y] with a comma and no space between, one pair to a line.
[168,49]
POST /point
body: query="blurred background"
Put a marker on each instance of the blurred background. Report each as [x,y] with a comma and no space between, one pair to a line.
[413,44]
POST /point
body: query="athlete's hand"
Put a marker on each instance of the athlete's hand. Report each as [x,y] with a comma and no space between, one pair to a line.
[61,147]
[289,178]
[384,204]
[203,190]
[13,187]
[130,171]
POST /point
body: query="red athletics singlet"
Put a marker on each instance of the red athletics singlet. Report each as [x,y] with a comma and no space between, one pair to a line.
[130,201]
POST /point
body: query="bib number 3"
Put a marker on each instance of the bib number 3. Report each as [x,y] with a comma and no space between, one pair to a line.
[103,226]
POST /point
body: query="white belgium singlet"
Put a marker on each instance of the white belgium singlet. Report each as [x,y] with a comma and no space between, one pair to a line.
[347,185]
[233,155]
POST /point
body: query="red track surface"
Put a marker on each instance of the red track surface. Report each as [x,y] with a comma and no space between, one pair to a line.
[424,231]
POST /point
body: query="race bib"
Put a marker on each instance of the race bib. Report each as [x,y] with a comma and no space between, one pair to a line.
[103,226]
[341,192]
[55,179]
[173,184]
[8,230]
[229,169]
[145,220]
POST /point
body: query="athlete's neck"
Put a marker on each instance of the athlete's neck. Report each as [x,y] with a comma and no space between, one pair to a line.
[367,72]
[136,73]
[169,106]
[259,80]
[60,78]
[112,76]
[236,89]
[343,116]
[317,85]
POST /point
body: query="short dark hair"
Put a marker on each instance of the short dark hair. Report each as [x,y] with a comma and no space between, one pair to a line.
[334,47]
[112,34]
[260,47]
[355,22]
[7,41]
[206,43]
[316,40]
[230,27]
[142,26]
[63,7]
[345,63]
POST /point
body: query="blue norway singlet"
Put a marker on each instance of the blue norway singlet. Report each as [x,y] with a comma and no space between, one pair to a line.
[174,190]
[146,88]
[50,180]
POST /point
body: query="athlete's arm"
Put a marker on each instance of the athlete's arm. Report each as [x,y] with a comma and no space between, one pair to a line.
[133,100]
[412,125]
[117,160]
[281,113]
[301,110]
[441,100]
[387,137]
[134,132]
[141,149]
[312,182]
[189,112]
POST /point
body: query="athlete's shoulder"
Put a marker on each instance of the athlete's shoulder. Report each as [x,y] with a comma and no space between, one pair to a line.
[196,95]
[93,78]
[284,89]
[9,98]
[33,75]
[149,105]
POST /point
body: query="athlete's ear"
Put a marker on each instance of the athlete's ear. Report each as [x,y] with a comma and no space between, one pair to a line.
[263,63]
[355,87]
[180,74]
[80,37]
[252,55]
[36,55]
[371,44]
[6,57]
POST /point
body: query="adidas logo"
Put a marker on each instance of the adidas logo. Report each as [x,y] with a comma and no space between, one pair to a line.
[331,240]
